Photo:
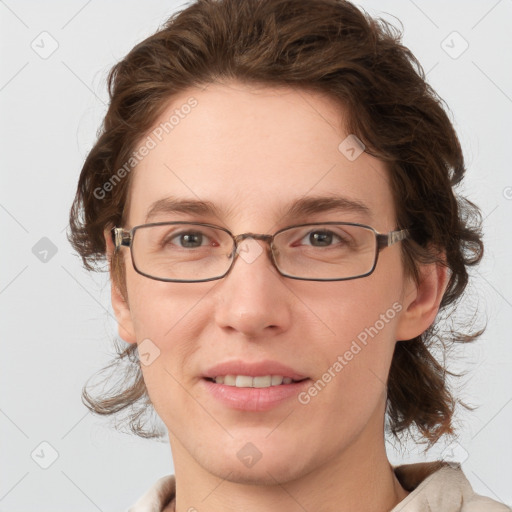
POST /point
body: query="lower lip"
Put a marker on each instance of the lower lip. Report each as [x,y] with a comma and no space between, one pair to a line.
[254,399]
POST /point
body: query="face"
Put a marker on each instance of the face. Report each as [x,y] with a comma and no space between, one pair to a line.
[253,152]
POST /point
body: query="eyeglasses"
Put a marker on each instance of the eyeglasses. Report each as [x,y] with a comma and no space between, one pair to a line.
[190,252]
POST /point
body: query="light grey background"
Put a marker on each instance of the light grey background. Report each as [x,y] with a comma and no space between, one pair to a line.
[56,326]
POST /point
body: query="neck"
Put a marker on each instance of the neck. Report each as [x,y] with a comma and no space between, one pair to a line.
[360,478]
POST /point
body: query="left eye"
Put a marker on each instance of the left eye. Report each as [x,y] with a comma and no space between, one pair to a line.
[322,238]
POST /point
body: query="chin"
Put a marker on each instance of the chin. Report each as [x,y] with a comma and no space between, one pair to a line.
[260,474]
[268,467]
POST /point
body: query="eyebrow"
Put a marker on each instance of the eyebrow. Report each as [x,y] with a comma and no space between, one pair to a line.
[311,205]
[176,205]
[298,208]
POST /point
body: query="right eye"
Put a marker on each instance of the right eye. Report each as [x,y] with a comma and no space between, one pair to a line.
[187,239]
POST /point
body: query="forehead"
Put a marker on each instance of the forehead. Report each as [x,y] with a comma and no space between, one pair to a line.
[251,152]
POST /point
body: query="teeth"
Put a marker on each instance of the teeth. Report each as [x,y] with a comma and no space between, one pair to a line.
[276,380]
[245,381]
[229,380]
[262,382]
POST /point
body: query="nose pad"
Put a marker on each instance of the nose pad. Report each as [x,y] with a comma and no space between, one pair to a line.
[249,249]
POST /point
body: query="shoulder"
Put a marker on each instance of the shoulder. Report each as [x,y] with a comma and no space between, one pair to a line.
[160,494]
[443,487]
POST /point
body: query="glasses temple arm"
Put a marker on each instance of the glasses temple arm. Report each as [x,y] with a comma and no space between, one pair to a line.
[120,237]
[392,238]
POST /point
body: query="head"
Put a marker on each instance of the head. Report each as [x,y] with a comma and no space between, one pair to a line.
[248,108]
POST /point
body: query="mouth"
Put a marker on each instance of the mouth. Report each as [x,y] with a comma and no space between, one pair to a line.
[247,381]
[253,386]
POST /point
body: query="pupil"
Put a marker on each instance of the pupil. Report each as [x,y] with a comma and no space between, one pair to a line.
[189,240]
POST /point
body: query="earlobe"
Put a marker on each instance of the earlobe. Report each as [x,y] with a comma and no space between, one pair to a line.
[119,303]
[421,301]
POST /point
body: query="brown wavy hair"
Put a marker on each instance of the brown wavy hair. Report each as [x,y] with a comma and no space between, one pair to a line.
[325,46]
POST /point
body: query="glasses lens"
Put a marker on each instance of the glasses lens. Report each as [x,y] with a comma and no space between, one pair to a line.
[185,252]
[325,251]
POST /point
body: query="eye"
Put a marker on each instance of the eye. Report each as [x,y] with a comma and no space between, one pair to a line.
[188,240]
[322,238]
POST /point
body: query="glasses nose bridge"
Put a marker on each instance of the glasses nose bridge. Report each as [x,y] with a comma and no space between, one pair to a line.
[256,236]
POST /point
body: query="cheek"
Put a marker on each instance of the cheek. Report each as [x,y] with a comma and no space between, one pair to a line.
[165,332]
[356,310]
[359,320]
[159,309]
[168,320]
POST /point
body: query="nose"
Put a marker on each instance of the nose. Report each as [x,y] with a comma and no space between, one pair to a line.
[253,299]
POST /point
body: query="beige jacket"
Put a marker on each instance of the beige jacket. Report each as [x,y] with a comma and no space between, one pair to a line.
[433,486]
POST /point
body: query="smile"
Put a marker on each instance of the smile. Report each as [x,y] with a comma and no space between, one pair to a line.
[246,381]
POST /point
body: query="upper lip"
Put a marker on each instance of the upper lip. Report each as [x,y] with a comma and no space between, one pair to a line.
[252,369]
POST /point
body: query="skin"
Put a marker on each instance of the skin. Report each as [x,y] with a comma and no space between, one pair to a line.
[250,150]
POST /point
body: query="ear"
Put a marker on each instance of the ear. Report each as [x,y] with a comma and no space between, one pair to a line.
[421,301]
[119,304]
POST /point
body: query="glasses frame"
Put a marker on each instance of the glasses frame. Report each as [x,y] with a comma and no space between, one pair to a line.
[122,237]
